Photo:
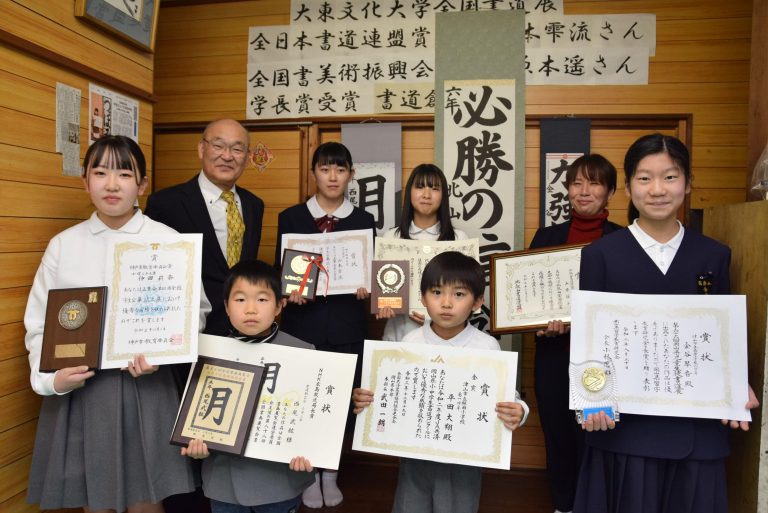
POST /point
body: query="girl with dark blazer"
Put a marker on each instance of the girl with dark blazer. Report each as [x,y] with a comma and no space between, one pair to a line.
[331,323]
[591,181]
[646,463]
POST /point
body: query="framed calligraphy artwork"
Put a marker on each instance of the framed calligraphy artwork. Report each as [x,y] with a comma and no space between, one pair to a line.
[304,402]
[219,404]
[135,21]
[529,288]
[673,355]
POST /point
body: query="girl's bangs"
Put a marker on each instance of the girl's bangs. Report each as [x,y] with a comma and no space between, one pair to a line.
[114,157]
[427,178]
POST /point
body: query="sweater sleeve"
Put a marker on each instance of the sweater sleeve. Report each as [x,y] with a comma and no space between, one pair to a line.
[34,318]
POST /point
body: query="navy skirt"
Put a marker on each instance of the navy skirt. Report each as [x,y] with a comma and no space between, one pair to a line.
[620,483]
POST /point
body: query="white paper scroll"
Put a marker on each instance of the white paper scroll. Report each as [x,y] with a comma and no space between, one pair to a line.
[347,256]
[153,299]
[674,355]
[419,253]
[436,403]
[304,403]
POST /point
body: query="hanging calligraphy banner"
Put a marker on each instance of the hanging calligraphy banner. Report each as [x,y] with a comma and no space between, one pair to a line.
[673,355]
[563,140]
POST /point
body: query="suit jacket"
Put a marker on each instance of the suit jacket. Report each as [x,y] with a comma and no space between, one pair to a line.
[338,319]
[617,263]
[183,208]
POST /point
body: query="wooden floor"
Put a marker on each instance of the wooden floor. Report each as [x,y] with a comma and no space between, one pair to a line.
[368,484]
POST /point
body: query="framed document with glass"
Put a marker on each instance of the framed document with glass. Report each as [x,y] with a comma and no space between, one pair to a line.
[74,328]
[218,405]
[304,402]
[154,299]
[436,403]
[347,258]
[532,287]
[672,355]
[418,253]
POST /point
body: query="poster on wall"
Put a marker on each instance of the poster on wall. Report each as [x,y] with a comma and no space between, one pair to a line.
[111,113]
[68,127]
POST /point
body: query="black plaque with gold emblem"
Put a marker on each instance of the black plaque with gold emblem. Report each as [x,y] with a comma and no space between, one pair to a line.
[300,272]
[390,285]
[219,405]
[74,328]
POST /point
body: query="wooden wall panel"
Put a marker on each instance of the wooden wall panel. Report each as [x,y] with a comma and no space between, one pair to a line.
[42,43]
[701,69]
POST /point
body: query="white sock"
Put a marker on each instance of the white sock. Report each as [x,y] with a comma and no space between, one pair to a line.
[331,494]
[312,497]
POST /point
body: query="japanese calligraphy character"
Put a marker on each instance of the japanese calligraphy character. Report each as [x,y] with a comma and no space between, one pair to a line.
[547,67]
[257,104]
[325,12]
[396,9]
[606,29]
[348,72]
[397,69]
[545,6]
[574,66]
[530,34]
[219,400]
[554,29]
[373,71]
[302,73]
[373,39]
[373,6]
[625,66]
[372,195]
[347,39]
[422,70]
[259,43]
[301,41]
[325,74]
[475,113]
[395,39]
[484,155]
[410,99]
[302,11]
[631,31]
[580,32]
[386,97]
[350,98]
[420,34]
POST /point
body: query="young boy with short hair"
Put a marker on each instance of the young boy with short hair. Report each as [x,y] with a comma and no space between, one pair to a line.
[452,287]
[237,484]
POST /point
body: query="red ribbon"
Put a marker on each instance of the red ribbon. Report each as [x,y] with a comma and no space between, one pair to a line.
[317,262]
[327,223]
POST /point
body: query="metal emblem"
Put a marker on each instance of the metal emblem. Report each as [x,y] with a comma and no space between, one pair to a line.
[73,314]
[593,379]
[390,278]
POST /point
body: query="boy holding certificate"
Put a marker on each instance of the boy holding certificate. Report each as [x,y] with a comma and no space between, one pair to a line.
[237,484]
[452,287]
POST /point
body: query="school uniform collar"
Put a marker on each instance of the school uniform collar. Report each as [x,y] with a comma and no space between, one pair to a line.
[463,339]
[344,210]
[134,224]
[211,192]
[646,241]
[433,230]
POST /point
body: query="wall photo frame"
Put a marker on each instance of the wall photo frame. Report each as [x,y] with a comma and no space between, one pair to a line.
[134,21]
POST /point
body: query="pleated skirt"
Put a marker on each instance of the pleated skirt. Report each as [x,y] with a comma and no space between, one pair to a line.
[621,483]
[105,446]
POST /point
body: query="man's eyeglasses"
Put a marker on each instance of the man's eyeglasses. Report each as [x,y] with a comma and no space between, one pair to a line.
[237,150]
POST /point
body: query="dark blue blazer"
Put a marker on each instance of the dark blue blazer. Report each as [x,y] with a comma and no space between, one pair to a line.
[617,263]
[183,208]
[338,319]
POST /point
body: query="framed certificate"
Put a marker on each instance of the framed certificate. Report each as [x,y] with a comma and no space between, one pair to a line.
[532,287]
[219,404]
[74,328]
[300,272]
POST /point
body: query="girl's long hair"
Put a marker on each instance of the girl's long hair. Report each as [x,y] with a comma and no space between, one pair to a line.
[427,175]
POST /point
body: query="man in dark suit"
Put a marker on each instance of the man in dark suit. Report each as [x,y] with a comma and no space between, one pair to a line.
[229,217]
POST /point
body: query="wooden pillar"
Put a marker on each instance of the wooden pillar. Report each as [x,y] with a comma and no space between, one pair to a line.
[758,89]
[742,227]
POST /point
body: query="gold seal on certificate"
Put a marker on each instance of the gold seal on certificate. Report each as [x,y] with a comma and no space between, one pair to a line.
[391,287]
[593,389]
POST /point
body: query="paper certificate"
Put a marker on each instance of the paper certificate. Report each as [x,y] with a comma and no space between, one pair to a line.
[436,403]
[673,355]
[347,257]
[418,253]
[530,288]
[304,401]
[154,299]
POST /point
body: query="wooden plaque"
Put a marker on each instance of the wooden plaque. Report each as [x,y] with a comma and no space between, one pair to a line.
[219,404]
[294,273]
[74,328]
[390,285]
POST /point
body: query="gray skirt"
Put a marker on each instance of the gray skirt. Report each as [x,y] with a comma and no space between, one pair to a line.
[105,446]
